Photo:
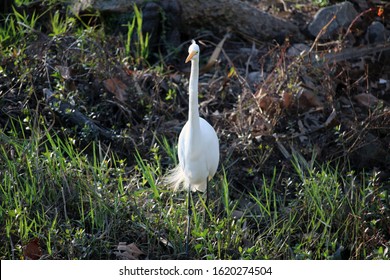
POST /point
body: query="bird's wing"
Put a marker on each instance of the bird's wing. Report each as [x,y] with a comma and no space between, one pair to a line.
[211,144]
[181,146]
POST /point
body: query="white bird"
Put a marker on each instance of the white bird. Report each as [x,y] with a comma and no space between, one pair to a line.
[198,146]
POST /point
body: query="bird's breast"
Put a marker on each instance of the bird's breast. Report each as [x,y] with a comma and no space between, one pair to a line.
[198,152]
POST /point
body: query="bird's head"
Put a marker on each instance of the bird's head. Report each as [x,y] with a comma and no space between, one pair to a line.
[193,52]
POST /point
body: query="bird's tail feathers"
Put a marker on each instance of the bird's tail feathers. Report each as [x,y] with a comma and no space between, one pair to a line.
[175,179]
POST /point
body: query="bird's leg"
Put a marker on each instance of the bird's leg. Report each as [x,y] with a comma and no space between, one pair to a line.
[189,213]
[207,201]
[207,194]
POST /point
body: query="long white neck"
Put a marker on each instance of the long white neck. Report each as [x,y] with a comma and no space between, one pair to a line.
[193,113]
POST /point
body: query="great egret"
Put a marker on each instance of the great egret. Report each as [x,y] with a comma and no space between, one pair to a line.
[198,146]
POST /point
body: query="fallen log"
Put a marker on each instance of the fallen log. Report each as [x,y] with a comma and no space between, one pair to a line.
[216,15]
[71,115]
[319,58]
[240,17]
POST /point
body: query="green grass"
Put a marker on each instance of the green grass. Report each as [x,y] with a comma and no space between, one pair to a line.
[321,3]
[53,192]
[140,52]
[82,204]
[60,26]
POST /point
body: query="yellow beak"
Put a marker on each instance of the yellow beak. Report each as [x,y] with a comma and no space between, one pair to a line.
[190,56]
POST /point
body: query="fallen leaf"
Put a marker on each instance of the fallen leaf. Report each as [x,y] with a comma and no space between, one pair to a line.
[166,242]
[331,117]
[32,250]
[128,251]
[308,99]
[380,11]
[287,99]
[269,104]
[214,56]
[366,99]
[116,87]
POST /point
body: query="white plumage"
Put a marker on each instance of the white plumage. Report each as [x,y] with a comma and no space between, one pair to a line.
[198,146]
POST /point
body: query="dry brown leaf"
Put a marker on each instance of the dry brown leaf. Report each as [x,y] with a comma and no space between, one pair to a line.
[214,56]
[287,99]
[32,250]
[116,87]
[308,99]
[269,104]
[366,99]
[128,251]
